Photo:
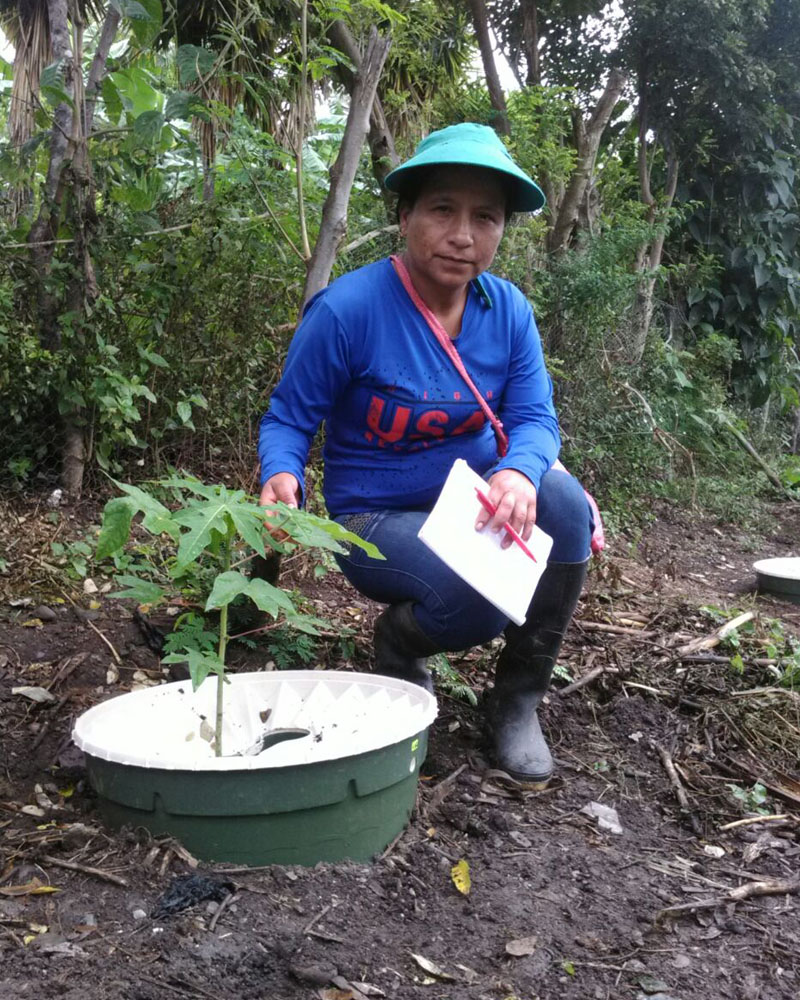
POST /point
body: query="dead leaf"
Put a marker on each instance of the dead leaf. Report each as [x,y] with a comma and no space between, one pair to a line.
[459,873]
[334,994]
[520,947]
[369,990]
[432,969]
[33,623]
[33,888]
[39,694]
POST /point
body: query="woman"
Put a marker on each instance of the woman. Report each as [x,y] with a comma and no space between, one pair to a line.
[398,413]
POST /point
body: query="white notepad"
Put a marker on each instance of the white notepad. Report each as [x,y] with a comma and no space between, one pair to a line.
[507,578]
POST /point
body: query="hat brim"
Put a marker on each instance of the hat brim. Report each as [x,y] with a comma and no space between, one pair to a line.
[524,194]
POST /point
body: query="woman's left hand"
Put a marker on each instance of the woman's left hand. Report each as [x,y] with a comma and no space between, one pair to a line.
[514,497]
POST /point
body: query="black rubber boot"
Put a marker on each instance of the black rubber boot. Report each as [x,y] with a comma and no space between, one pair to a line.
[523,673]
[401,647]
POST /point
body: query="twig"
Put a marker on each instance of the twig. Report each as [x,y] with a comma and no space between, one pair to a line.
[48,723]
[587,679]
[680,792]
[48,859]
[746,891]
[749,820]
[616,629]
[67,667]
[394,844]
[316,920]
[709,641]
[443,789]
[226,902]
[94,628]
[106,640]
[755,692]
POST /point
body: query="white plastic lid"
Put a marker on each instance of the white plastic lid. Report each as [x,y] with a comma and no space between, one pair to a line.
[314,715]
[783,567]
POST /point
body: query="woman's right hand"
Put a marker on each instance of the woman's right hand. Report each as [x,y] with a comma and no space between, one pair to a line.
[283,487]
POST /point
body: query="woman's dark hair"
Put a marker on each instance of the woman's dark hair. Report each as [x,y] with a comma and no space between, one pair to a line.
[414,183]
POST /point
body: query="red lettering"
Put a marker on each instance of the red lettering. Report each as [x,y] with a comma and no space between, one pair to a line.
[432,423]
[400,419]
[474,423]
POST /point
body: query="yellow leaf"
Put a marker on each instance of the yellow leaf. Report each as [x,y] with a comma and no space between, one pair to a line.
[460,876]
[32,888]
[32,623]
[65,793]
[28,938]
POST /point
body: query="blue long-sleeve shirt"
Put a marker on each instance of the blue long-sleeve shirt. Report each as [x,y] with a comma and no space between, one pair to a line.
[397,413]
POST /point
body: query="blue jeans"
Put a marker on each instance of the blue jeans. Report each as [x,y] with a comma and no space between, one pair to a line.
[447,609]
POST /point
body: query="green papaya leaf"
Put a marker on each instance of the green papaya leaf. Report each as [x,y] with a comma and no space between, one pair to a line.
[200,664]
[227,587]
[202,520]
[142,591]
[157,518]
[319,532]
[270,599]
[116,527]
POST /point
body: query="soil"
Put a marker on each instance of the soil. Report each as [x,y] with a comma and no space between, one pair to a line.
[673,739]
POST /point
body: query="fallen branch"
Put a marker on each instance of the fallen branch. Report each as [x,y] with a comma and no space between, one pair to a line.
[738,895]
[587,679]
[443,789]
[226,902]
[680,791]
[616,629]
[48,723]
[73,866]
[716,637]
[750,820]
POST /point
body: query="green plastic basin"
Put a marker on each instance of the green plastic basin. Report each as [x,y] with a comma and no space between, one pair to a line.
[341,785]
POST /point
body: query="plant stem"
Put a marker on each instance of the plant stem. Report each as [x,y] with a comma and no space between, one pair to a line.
[223,643]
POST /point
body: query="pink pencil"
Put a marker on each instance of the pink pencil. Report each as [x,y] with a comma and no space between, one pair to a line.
[487,505]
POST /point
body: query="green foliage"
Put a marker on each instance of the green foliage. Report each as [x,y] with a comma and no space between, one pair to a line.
[450,680]
[288,648]
[211,529]
[753,799]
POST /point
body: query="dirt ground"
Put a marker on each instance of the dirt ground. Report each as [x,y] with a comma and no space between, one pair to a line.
[696,897]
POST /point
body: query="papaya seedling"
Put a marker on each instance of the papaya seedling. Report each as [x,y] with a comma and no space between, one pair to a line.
[210,532]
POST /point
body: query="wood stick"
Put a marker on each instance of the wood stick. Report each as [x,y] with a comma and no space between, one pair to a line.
[84,869]
[48,723]
[226,902]
[615,629]
[738,895]
[443,789]
[586,679]
[716,637]
[750,820]
[680,792]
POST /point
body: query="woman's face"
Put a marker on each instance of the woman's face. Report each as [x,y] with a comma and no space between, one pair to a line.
[454,227]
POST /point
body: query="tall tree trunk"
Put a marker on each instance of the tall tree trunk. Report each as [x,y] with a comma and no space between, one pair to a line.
[380,137]
[68,187]
[530,41]
[648,257]
[43,230]
[343,172]
[587,142]
[480,21]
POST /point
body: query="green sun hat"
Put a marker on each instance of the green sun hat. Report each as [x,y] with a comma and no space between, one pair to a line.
[469,144]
